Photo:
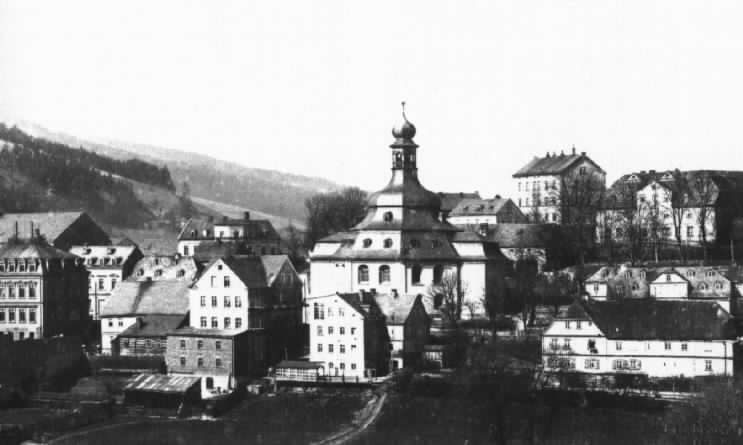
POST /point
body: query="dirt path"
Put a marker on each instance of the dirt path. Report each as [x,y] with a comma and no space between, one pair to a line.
[352,432]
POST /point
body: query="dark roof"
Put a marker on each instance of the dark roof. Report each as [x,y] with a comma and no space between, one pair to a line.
[479,206]
[50,224]
[161,383]
[298,364]
[509,235]
[450,200]
[165,268]
[148,298]
[256,229]
[210,250]
[249,269]
[116,256]
[551,165]
[154,326]
[36,248]
[189,331]
[651,319]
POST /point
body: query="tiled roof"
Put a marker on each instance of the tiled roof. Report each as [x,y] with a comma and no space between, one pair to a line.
[651,319]
[33,249]
[396,310]
[523,235]
[154,326]
[272,265]
[189,331]
[148,298]
[550,165]
[50,224]
[450,200]
[298,364]
[479,206]
[257,229]
[161,383]
[249,269]
[105,256]
[165,268]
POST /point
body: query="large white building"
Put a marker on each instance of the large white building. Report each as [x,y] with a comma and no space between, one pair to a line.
[657,338]
[540,181]
[402,245]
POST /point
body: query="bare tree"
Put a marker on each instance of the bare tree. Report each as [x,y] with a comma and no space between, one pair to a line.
[580,197]
[452,293]
[706,191]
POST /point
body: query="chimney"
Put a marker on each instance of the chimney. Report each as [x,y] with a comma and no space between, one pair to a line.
[562,153]
[547,155]
[246,215]
[583,153]
[574,150]
[497,196]
[16,229]
[483,229]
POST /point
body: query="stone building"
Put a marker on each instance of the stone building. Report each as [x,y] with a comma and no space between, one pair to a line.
[43,290]
[108,266]
[258,236]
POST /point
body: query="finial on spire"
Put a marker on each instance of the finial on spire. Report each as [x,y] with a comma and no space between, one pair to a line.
[403,110]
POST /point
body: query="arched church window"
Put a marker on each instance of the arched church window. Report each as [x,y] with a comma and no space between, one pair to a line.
[367,242]
[388,243]
[363,273]
[387,216]
[384,274]
[416,274]
[438,274]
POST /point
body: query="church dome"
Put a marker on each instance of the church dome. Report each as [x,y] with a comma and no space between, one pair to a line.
[405,130]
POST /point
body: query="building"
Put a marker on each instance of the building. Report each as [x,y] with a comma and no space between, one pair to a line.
[258,235]
[408,327]
[221,358]
[148,335]
[165,268]
[672,282]
[672,207]
[543,182]
[450,200]
[537,241]
[133,300]
[349,336]
[43,290]
[251,292]
[403,245]
[657,338]
[108,266]
[474,213]
[61,229]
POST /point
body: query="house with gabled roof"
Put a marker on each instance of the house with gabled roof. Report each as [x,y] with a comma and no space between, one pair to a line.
[475,212]
[653,337]
[256,236]
[60,229]
[408,326]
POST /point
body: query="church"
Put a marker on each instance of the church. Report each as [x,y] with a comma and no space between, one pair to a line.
[405,246]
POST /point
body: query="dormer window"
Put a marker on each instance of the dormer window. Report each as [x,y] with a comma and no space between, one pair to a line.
[690,273]
[435,243]
[111,251]
[367,243]
[388,243]
[718,285]
[387,217]
[414,243]
[703,286]
[710,273]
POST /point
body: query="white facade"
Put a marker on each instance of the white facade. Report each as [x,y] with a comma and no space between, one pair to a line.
[337,337]
[669,285]
[111,327]
[219,300]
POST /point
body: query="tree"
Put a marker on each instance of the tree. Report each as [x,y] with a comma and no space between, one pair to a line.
[554,290]
[706,191]
[525,275]
[294,240]
[333,212]
[580,197]
[452,293]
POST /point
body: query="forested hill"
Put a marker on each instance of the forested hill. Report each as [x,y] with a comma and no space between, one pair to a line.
[40,175]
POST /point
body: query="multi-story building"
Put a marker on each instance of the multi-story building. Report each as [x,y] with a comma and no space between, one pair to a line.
[165,268]
[348,336]
[108,266]
[408,326]
[657,338]
[61,229]
[133,303]
[148,335]
[43,290]
[257,235]
[475,213]
[544,184]
[672,206]
[403,245]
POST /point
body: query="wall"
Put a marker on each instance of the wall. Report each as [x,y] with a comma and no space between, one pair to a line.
[337,314]
[236,290]
[111,327]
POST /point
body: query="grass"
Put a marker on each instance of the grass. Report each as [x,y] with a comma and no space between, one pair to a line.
[288,418]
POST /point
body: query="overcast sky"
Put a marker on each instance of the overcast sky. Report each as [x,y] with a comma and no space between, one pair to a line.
[314,87]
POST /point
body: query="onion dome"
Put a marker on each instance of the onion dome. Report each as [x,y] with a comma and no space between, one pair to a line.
[404,132]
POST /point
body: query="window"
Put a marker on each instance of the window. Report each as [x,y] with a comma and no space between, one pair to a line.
[667,345]
[180,274]
[577,324]
[203,301]
[319,347]
[620,290]
[387,216]
[330,347]
[203,322]
[101,285]
[635,287]
[218,362]
[214,301]
[200,364]
[227,322]
[668,277]
[213,280]
[596,288]
[554,344]
[690,273]
[718,285]
[227,301]
[110,322]
[215,322]
[703,286]
[319,330]
[438,274]
[684,346]
[567,324]
[183,361]
[21,315]
[330,365]
[414,243]
[342,330]
[353,331]
[2,315]
[388,243]
[566,343]
[710,273]
[592,363]
[367,243]
[618,346]
[238,301]
[11,315]
[363,274]
[218,344]
[316,311]
[343,365]
[226,281]
[416,274]
[330,330]
[121,322]
[353,365]
[690,231]
[199,344]
[238,323]
[183,344]
[384,274]
[185,251]
[21,292]
[708,365]
[343,349]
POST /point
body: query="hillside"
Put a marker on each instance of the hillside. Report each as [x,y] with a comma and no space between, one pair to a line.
[277,195]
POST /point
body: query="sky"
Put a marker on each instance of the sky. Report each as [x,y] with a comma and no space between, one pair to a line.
[315,87]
